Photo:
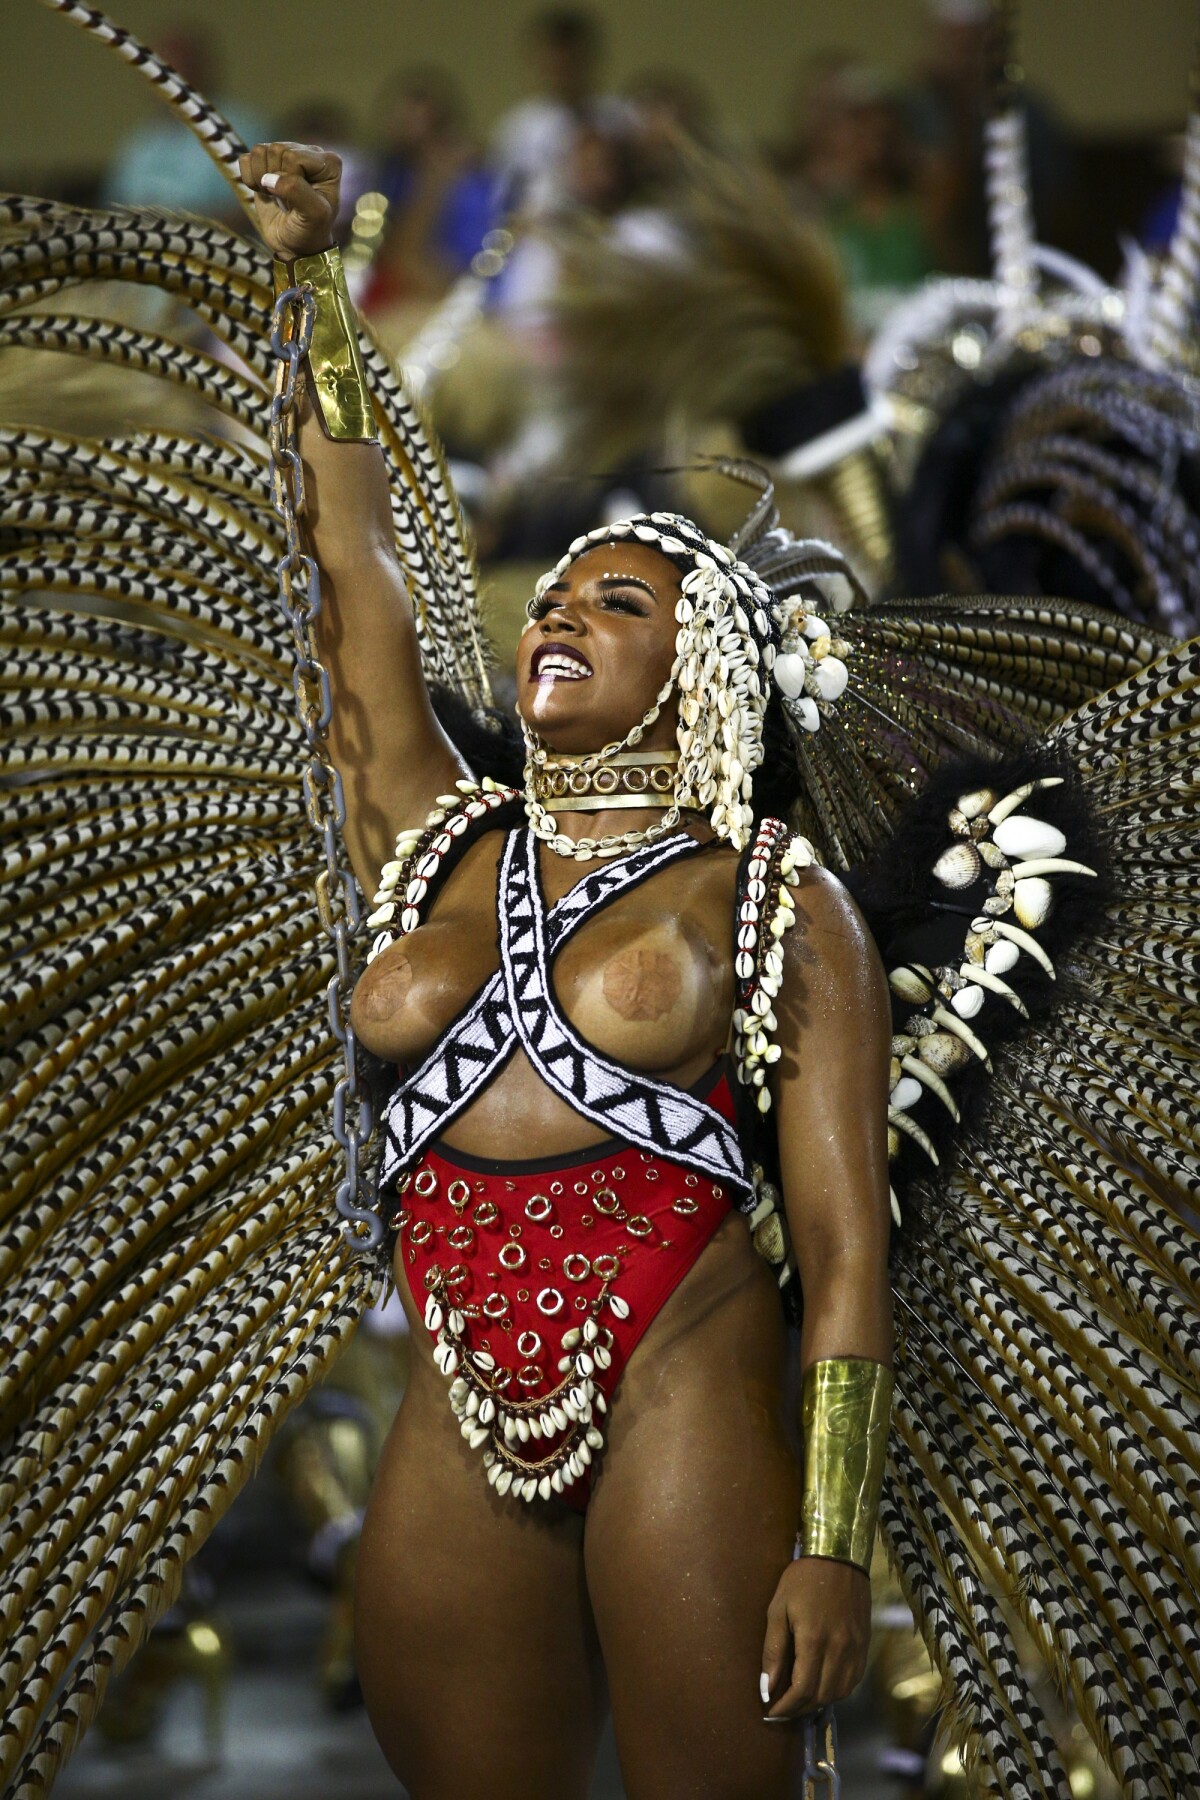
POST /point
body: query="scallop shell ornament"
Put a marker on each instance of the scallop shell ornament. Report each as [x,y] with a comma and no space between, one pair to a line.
[959,866]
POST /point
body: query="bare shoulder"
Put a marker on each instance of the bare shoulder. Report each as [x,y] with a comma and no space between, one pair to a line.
[829,952]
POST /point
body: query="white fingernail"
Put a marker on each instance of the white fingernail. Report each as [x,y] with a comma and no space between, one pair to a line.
[764,1688]
[268,181]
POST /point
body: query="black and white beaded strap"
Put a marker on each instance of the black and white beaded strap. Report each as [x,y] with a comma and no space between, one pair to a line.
[476,1045]
[649,1114]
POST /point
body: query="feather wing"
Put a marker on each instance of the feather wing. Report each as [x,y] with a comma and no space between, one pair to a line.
[1046,1461]
[172,1276]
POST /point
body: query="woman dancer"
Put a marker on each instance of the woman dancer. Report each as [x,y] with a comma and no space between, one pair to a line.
[692,1517]
[174,1241]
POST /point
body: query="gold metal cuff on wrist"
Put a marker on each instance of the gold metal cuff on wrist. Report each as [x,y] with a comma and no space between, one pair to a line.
[845,1409]
[339,382]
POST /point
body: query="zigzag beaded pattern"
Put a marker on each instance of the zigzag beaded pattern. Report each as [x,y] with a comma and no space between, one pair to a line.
[482,1039]
[634,1108]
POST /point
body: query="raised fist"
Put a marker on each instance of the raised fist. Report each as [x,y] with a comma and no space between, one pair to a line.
[296,190]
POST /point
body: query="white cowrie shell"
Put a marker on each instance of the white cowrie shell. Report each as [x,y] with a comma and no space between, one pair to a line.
[1000,958]
[1021,837]
[830,677]
[1032,900]
[815,627]
[906,1092]
[789,673]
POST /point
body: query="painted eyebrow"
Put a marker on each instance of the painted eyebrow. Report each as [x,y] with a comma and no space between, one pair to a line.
[607,583]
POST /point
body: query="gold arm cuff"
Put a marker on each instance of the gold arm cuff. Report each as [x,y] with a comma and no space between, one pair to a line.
[339,381]
[845,1408]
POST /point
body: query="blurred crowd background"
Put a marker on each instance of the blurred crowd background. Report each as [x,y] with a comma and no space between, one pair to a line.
[478,157]
[480,139]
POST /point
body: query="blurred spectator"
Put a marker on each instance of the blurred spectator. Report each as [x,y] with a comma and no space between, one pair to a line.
[948,108]
[854,168]
[161,163]
[440,198]
[804,158]
[669,114]
[532,144]
[873,211]
[601,181]
[603,173]
[668,111]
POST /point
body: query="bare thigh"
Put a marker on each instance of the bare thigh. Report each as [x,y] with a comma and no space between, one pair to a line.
[475,1641]
[691,1524]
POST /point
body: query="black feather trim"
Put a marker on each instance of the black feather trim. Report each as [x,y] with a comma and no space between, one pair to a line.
[488,740]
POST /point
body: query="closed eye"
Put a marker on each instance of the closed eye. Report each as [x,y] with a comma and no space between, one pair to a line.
[612,602]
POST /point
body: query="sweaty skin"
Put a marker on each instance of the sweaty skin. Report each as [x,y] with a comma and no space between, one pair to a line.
[491,1636]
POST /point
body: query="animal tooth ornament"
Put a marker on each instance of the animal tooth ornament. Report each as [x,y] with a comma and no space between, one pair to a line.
[175,1268]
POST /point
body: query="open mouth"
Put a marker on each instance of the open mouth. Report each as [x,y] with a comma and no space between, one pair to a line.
[555,662]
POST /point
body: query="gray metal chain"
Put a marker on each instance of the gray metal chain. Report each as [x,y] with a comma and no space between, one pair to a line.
[820,1777]
[337,896]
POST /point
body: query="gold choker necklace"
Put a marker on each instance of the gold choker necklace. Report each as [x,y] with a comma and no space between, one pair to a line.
[625,780]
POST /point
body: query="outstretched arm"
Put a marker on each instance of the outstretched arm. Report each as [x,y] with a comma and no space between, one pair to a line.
[393,757]
[830,1098]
